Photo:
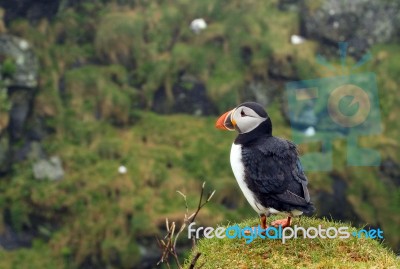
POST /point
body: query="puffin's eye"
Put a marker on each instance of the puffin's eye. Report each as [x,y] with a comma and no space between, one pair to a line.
[242,113]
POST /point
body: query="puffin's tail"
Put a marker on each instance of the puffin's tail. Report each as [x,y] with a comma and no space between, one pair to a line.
[308,209]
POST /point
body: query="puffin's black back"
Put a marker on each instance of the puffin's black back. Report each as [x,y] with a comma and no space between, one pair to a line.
[274,173]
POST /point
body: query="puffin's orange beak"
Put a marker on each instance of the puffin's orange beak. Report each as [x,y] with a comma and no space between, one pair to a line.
[224,122]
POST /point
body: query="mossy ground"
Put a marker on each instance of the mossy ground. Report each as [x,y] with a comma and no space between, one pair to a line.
[295,253]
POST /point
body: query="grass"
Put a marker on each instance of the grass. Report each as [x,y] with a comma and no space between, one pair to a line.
[28,258]
[295,253]
[100,92]
[117,36]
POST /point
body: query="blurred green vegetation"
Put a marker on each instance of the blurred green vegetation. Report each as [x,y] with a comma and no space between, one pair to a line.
[7,68]
[101,63]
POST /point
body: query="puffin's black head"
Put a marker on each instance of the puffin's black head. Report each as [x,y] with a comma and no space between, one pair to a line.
[245,118]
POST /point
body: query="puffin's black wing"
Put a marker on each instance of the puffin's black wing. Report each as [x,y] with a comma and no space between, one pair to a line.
[274,172]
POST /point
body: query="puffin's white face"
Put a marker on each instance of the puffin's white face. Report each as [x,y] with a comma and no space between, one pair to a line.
[243,119]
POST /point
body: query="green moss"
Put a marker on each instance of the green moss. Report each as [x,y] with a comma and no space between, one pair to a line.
[100,93]
[118,36]
[8,68]
[294,253]
[39,256]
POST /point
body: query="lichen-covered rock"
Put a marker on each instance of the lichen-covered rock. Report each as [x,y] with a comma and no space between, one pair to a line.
[19,80]
[19,75]
[22,64]
[362,23]
[48,169]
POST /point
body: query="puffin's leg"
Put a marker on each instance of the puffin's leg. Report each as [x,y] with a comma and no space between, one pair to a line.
[283,222]
[263,221]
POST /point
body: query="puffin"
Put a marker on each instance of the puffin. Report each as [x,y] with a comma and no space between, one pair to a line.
[267,168]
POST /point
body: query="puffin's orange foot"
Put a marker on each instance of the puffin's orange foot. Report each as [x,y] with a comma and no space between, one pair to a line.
[282,222]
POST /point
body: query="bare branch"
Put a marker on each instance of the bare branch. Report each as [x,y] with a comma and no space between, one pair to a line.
[184,196]
[177,235]
[186,205]
[191,216]
[168,244]
[210,195]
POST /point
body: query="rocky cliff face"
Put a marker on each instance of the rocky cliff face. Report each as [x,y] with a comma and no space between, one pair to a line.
[362,23]
[32,10]
[19,66]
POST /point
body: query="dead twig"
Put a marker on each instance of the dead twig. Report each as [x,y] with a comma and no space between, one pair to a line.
[168,243]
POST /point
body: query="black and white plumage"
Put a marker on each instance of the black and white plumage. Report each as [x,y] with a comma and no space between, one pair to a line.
[267,168]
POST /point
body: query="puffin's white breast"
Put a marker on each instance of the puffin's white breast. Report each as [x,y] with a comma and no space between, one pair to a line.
[238,171]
